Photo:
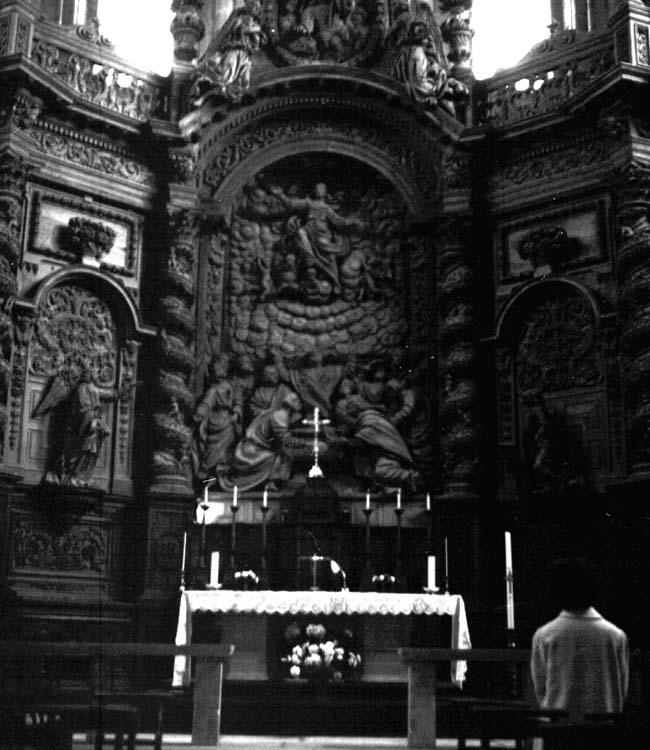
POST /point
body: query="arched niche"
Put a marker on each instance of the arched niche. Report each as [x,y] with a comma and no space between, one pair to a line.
[78,320]
[556,372]
[314,264]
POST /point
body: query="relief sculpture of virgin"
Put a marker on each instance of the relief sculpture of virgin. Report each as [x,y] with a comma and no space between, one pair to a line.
[316,295]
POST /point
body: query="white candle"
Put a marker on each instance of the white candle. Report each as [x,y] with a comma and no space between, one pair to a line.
[205,495]
[214,569]
[265,498]
[510,599]
[399,499]
[234,496]
[367,500]
[431,572]
[184,550]
[428,501]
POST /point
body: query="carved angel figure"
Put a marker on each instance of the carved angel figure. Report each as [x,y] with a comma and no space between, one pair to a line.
[419,64]
[226,70]
[76,439]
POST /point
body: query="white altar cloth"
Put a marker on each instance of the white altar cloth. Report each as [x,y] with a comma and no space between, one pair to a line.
[319,603]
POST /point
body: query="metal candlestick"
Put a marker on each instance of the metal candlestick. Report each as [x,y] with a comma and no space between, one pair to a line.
[399,578]
[367,570]
[264,579]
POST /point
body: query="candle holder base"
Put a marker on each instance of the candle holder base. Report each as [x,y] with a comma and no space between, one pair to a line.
[427,590]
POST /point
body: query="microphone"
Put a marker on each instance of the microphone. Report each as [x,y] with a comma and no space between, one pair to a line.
[338,570]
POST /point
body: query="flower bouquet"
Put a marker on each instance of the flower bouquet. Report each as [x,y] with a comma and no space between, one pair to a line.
[317,653]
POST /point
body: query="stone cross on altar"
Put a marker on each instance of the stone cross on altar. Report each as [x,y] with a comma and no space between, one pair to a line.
[315,470]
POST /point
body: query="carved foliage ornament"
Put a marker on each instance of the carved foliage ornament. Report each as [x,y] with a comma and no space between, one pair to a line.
[81,550]
[558,348]
[74,330]
[258,135]
[100,84]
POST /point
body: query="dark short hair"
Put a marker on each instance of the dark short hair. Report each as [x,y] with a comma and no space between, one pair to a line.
[575,582]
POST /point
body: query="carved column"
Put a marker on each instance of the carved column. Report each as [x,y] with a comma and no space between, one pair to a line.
[13,177]
[187,28]
[459,434]
[173,395]
[633,218]
[458,34]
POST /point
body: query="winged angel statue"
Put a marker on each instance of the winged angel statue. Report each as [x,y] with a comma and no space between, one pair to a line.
[77,426]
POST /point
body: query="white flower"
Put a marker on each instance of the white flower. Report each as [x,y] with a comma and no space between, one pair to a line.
[294,671]
[313,648]
[297,650]
[295,659]
[313,660]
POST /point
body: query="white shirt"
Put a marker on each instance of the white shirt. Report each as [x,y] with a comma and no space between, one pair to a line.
[580,664]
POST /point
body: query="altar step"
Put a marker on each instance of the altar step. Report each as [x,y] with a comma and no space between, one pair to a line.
[256,742]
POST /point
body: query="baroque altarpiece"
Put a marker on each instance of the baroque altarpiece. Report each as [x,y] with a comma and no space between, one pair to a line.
[321,209]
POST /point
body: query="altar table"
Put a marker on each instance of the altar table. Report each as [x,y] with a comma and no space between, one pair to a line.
[246,613]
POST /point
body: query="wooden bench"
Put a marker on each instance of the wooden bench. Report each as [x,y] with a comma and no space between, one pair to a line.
[515,717]
[103,694]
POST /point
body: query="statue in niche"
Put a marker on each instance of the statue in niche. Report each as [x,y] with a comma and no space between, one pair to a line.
[312,379]
[319,235]
[419,62]
[218,422]
[77,429]
[261,458]
[554,457]
[225,72]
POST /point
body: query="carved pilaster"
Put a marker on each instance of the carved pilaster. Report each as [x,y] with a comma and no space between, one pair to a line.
[13,176]
[633,218]
[173,395]
[458,359]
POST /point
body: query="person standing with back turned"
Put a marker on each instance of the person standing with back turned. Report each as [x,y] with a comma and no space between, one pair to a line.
[579,660]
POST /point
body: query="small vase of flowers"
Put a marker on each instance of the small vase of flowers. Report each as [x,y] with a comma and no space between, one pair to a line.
[318,653]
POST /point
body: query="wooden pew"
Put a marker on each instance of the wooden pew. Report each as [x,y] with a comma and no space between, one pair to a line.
[98,692]
[515,717]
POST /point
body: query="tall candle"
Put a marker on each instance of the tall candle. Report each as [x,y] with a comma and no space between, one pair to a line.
[510,598]
[214,569]
[399,499]
[431,572]
[184,550]
[265,498]
[234,496]
[367,500]
[205,495]
[428,501]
